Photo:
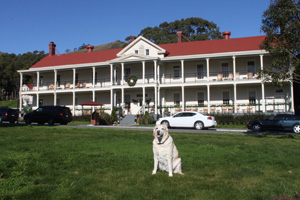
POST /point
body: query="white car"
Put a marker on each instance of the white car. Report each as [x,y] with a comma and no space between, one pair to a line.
[188,119]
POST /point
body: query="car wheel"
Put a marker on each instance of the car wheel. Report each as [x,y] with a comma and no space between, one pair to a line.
[199,125]
[296,128]
[51,121]
[256,128]
[166,123]
[28,121]
[41,123]
[12,122]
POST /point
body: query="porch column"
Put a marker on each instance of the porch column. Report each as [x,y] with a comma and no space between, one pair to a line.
[234,68]
[55,79]
[74,78]
[183,100]
[74,103]
[144,98]
[182,70]
[94,98]
[155,87]
[38,80]
[111,99]
[261,62]
[37,100]
[143,62]
[122,73]
[158,98]
[292,97]
[111,74]
[94,74]
[234,96]
[20,93]
[122,98]
[55,98]
[263,97]
[155,71]
[208,98]
[207,68]
[158,74]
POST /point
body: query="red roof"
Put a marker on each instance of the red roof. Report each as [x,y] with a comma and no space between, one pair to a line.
[174,49]
[78,58]
[214,46]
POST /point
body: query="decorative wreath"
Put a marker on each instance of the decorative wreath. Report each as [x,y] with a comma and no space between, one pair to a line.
[131,80]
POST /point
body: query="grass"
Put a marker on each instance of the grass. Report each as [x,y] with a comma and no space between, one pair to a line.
[42,162]
[9,103]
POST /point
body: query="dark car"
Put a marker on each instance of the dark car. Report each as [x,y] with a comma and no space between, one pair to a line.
[50,115]
[8,114]
[282,122]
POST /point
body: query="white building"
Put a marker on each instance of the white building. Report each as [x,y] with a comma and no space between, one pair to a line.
[213,76]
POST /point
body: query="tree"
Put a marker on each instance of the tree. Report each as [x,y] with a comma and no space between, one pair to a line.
[192,28]
[281,23]
[9,77]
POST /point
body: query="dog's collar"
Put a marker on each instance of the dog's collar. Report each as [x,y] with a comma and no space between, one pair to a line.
[163,141]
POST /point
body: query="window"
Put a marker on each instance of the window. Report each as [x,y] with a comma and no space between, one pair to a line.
[41,102]
[127,73]
[96,79]
[225,70]
[147,52]
[41,81]
[76,78]
[136,51]
[251,67]
[176,72]
[225,97]
[252,97]
[200,71]
[58,101]
[58,80]
[176,99]
[200,98]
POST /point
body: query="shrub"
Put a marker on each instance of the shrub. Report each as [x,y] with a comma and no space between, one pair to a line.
[146,119]
[238,119]
[85,118]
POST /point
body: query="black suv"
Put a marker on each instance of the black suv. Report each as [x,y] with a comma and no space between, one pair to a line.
[8,114]
[50,115]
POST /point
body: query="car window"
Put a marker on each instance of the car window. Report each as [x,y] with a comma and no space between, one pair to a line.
[291,117]
[279,117]
[178,115]
[39,110]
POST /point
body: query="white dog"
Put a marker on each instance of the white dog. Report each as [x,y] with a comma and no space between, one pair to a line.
[165,152]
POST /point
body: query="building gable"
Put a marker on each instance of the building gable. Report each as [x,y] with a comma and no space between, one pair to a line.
[141,48]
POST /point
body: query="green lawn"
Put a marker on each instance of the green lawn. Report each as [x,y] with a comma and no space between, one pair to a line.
[9,103]
[42,162]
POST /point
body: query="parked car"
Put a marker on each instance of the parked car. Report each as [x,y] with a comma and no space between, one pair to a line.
[188,119]
[282,122]
[8,114]
[50,115]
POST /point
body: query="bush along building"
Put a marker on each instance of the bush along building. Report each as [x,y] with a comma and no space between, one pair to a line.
[212,76]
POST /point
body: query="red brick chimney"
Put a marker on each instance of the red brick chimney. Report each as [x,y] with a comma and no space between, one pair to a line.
[132,38]
[226,35]
[52,49]
[90,48]
[179,36]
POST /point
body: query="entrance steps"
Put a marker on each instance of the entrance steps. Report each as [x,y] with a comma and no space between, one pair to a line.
[128,119]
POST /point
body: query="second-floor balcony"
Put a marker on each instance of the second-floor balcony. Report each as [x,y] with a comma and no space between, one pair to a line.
[167,78]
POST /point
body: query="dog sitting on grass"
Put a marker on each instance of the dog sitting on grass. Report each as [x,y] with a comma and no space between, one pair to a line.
[165,152]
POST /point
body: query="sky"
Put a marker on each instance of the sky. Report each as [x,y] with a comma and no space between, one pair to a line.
[29,25]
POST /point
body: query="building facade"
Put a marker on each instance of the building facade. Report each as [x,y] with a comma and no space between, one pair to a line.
[214,76]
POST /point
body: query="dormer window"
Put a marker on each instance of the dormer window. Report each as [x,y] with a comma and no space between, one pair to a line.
[147,52]
[136,51]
